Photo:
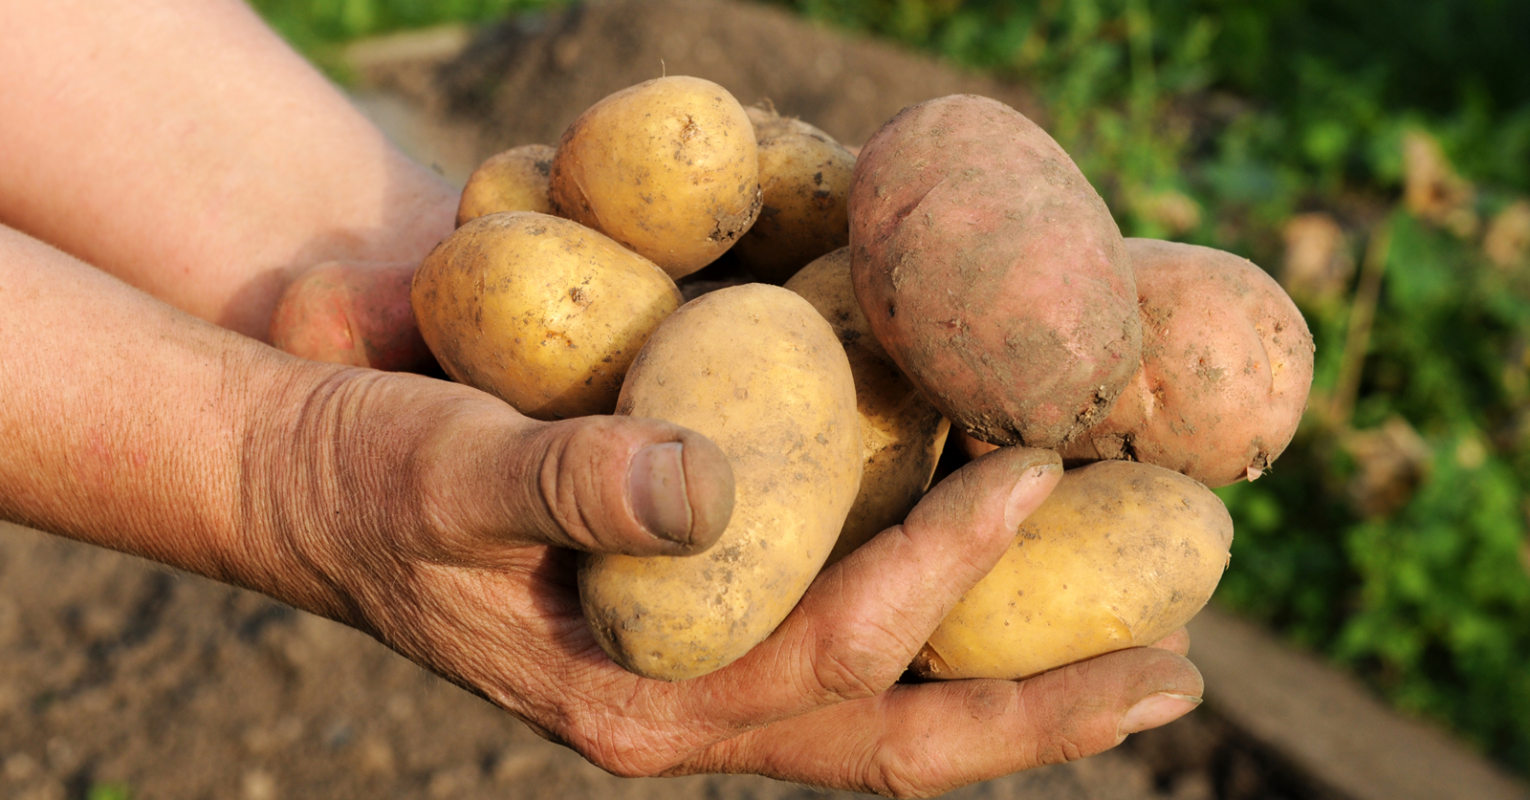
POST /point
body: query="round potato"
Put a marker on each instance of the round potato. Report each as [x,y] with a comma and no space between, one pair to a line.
[1120,555]
[902,435]
[760,373]
[668,168]
[515,180]
[992,272]
[1226,368]
[540,311]
[805,180]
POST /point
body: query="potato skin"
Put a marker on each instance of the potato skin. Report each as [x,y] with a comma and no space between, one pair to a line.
[1226,368]
[515,180]
[992,272]
[539,311]
[901,433]
[760,373]
[1120,555]
[805,180]
[668,168]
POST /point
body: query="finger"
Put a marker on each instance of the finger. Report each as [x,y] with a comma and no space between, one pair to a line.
[599,484]
[1176,642]
[862,621]
[921,740]
[352,313]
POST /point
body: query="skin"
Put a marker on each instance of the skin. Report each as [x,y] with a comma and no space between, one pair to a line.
[180,148]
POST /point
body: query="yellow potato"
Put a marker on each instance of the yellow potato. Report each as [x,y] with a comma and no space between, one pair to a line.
[540,311]
[669,168]
[758,371]
[805,177]
[515,180]
[1120,555]
[902,435]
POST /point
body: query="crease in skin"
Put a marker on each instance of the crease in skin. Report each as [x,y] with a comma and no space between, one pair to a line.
[909,211]
[1149,397]
[355,341]
[1276,366]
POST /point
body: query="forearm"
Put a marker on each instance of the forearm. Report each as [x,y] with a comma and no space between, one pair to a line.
[127,424]
[181,146]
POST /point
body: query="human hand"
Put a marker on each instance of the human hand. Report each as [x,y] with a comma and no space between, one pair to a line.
[355,313]
[445,532]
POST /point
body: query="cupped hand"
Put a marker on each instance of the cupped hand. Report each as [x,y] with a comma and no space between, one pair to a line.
[448,526]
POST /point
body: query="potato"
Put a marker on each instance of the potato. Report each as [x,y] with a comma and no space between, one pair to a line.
[805,178]
[992,272]
[972,447]
[1226,368]
[539,311]
[1120,555]
[668,168]
[758,371]
[515,180]
[902,435]
[352,313]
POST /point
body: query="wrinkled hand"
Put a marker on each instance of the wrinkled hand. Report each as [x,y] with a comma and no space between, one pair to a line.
[442,522]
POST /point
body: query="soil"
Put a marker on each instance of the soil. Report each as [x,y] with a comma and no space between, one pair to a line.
[120,674]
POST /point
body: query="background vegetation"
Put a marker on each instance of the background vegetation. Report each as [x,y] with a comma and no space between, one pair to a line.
[1375,155]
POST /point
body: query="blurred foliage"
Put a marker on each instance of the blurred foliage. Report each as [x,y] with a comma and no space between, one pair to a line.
[319,28]
[109,791]
[1392,533]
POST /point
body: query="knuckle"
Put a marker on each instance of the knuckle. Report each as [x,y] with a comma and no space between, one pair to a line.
[567,482]
[621,748]
[843,669]
[890,777]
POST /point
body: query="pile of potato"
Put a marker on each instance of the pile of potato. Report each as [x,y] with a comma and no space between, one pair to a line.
[960,270]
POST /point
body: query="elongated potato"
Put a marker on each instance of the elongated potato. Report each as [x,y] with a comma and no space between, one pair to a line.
[758,371]
[1226,368]
[805,180]
[1120,555]
[515,180]
[669,168]
[992,272]
[539,311]
[902,435]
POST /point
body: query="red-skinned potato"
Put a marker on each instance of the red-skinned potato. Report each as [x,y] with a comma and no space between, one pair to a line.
[1226,368]
[992,272]
[352,313]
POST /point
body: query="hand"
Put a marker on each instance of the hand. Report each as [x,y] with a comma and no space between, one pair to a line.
[445,536]
[355,313]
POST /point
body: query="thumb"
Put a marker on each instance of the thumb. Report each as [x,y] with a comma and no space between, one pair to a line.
[353,313]
[624,485]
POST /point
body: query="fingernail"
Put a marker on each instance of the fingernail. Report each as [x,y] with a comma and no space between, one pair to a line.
[1157,709]
[656,481]
[1022,498]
